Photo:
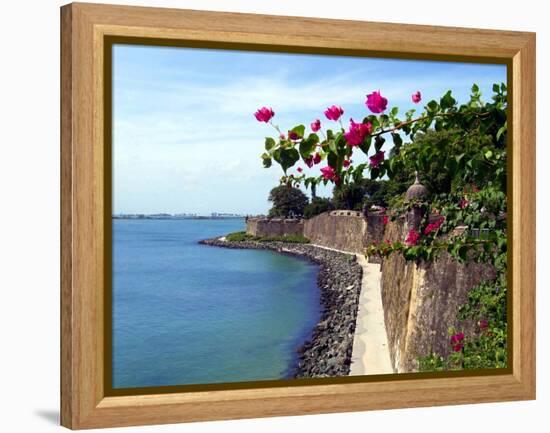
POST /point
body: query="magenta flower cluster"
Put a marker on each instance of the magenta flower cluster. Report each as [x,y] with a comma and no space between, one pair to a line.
[354,136]
[329,173]
[315,159]
[376,159]
[264,114]
[376,102]
[357,132]
[457,341]
[315,125]
[434,226]
[412,238]
[334,112]
[416,97]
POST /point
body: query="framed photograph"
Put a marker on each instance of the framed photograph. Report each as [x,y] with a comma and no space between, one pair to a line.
[265,215]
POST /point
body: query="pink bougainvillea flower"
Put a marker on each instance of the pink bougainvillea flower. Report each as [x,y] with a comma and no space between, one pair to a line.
[346,163]
[309,161]
[334,112]
[483,324]
[293,135]
[457,338]
[456,341]
[376,159]
[463,203]
[376,102]
[316,158]
[357,132]
[264,114]
[434,226]
[385,220]
[328,173]
[315,125]
[416,97]
[412,238]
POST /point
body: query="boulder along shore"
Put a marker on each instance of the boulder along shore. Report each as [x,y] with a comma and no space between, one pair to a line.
[329,351]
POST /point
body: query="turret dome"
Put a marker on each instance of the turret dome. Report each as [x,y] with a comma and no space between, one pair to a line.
[416,191]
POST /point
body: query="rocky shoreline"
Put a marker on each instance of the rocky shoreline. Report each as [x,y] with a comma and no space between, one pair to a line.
[329,351]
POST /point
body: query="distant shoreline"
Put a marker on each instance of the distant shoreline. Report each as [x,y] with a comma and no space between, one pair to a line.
[175,217]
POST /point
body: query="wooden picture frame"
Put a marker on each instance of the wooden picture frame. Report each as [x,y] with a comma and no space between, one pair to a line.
[85,30]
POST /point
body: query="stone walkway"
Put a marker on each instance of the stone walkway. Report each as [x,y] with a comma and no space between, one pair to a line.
[370,344]
[371,353]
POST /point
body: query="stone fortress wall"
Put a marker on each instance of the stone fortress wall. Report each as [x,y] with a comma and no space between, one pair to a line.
[420,301]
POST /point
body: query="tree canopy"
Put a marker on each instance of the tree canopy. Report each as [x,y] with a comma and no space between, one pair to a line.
[288,201]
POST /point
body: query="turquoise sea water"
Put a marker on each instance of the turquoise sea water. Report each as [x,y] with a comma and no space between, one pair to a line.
[185,313]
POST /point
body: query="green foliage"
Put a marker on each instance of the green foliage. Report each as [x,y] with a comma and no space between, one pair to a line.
[238,237]
[383,192]
[348,196]
[317,206]
[468,141]
[244,237]
[287,201]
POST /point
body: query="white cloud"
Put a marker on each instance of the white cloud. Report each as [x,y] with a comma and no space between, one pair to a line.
[176,140]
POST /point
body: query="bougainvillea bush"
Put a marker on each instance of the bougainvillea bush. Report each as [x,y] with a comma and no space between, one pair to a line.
[459,152]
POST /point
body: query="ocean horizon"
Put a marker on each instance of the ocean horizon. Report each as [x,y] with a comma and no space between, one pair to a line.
[185,313]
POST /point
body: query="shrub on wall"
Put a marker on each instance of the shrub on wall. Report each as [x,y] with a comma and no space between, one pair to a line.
[349,196]
[288,201]
[317,206]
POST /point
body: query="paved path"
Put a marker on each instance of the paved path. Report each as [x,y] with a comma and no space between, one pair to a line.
[370,344]
[370,354]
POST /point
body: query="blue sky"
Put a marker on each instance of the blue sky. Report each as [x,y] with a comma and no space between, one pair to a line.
[184,135]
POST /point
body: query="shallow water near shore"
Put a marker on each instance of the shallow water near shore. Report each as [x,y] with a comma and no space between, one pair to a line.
[185,313]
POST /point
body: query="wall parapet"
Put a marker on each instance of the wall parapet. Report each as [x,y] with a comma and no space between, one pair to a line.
[274,226]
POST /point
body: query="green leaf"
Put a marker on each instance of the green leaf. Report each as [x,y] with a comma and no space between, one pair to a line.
[332,160]
[332,146]
[475,89]
[288,158]
[501,130]
[463,252]
[447,101]
[365,145]
[269,143]
[307,146]
[397,140]
[277,155]
[266,161]
[378,142]
[300,130]
[373,121]
[496,88]
[432,106]
[452,166]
